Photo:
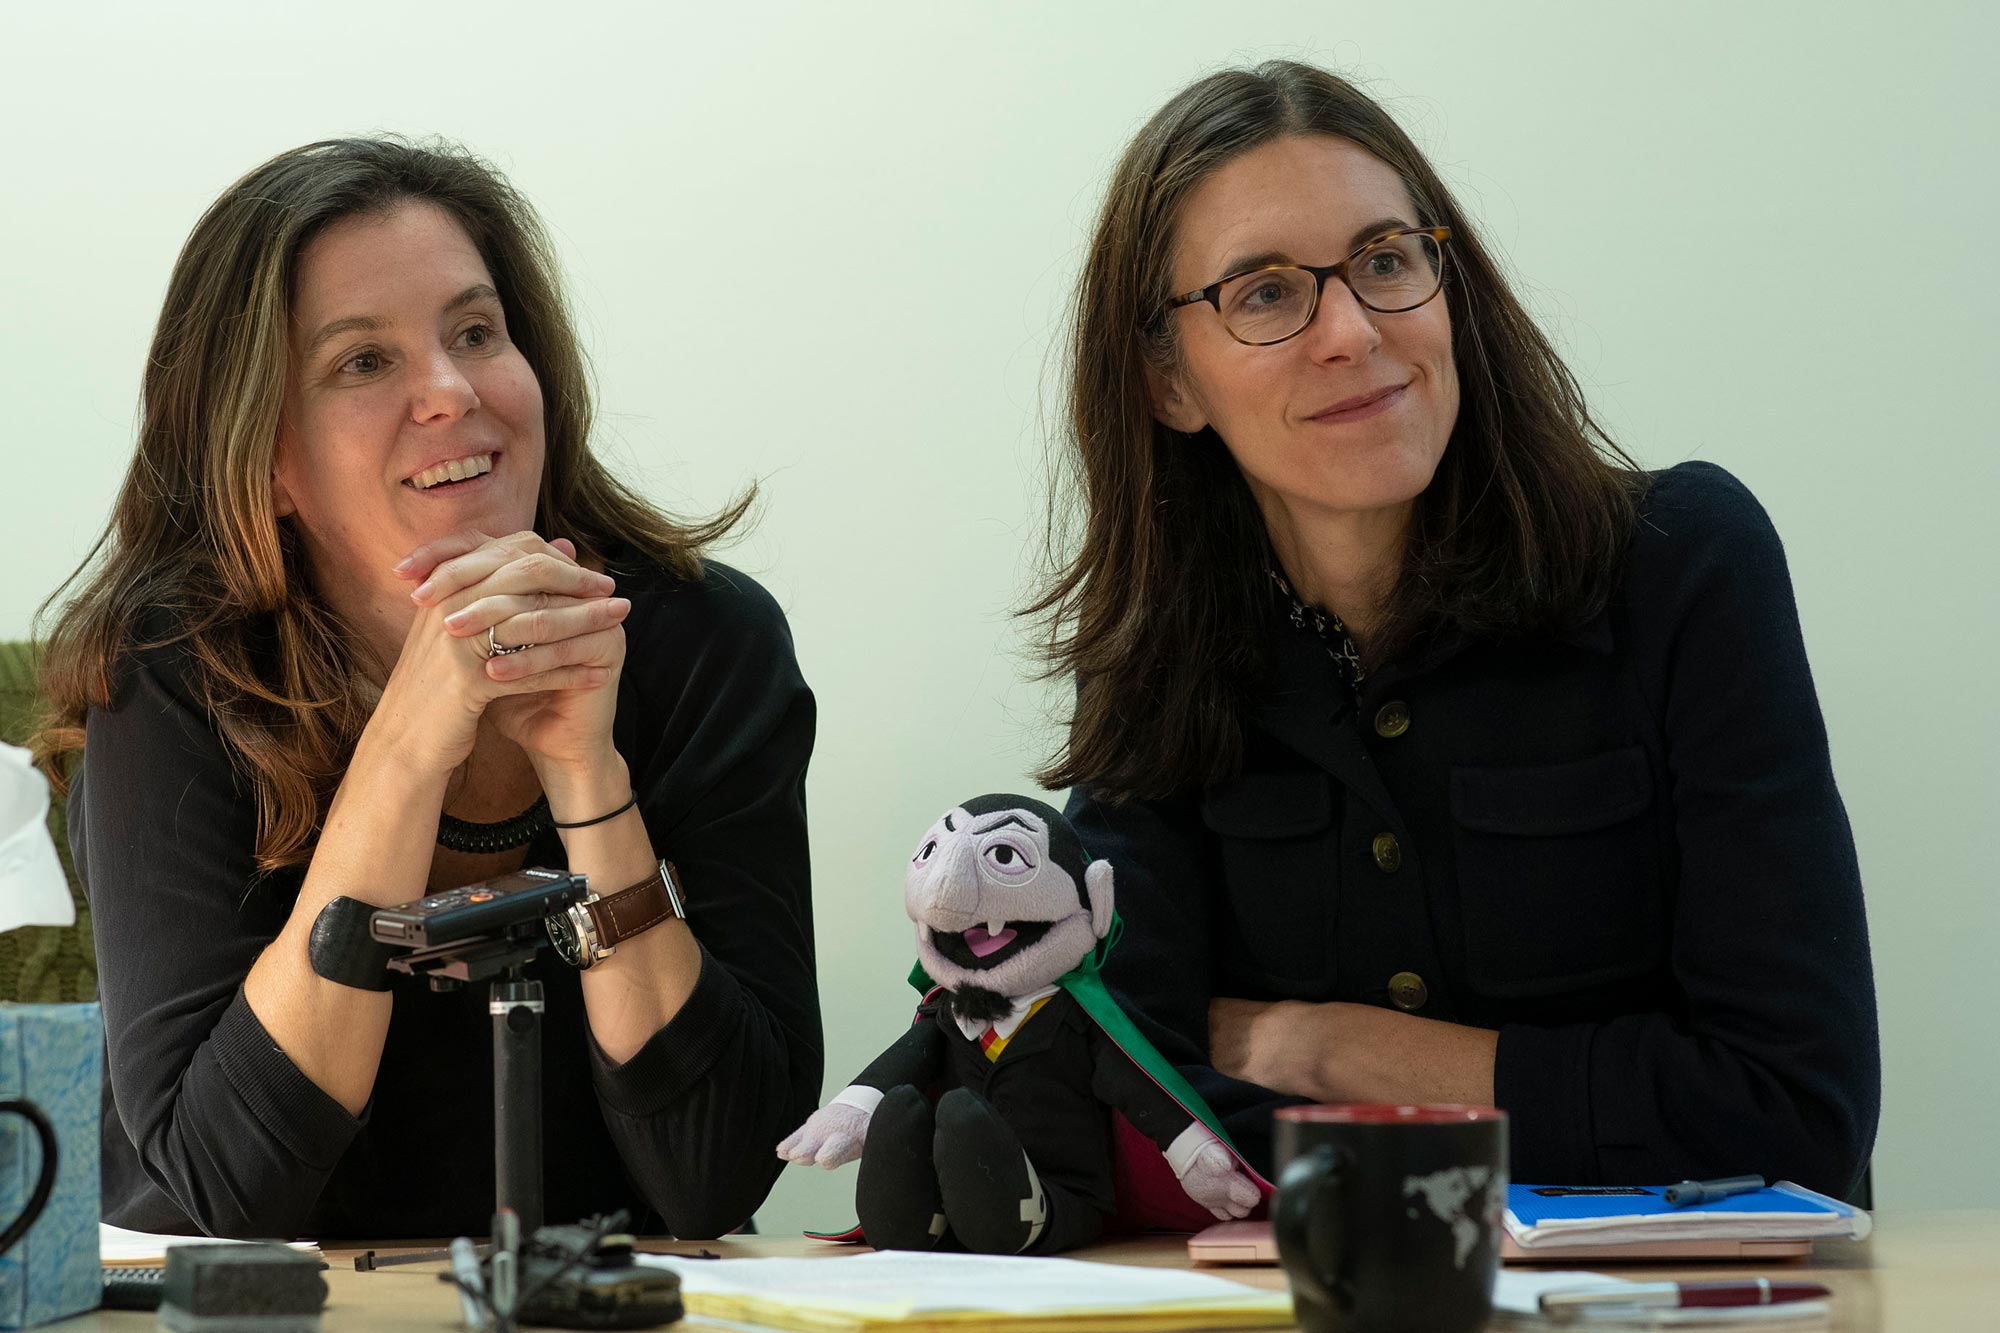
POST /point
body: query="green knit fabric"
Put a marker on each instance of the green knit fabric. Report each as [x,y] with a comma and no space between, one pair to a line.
[41,964]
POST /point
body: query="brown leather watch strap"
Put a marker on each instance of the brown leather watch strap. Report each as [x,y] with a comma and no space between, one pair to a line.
[630,911]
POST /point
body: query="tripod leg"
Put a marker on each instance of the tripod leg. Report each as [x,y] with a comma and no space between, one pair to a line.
[516,1006]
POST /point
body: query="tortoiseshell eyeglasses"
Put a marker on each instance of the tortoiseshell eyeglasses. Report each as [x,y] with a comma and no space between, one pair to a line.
[1397,271]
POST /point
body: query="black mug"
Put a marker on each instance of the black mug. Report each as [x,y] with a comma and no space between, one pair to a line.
[1388,1217]
[45,1182]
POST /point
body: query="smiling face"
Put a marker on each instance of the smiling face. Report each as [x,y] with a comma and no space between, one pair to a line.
[1352,414]
[402,379]
[994,904]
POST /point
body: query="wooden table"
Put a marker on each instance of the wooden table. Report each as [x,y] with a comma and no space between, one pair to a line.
[1928,1271]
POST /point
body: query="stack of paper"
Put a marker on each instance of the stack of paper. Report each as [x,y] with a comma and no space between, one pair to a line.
[952,1293]
[1547,1217]
[1517,1304]
[119,1248]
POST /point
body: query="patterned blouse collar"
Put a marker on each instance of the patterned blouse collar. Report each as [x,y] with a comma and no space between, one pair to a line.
[1327,627]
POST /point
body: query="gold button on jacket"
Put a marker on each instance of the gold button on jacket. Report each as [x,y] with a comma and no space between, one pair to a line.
[1388,853]
[1407,991]
[1392,719]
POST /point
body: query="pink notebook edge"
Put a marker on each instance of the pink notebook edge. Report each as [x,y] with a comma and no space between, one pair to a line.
[1253,1243]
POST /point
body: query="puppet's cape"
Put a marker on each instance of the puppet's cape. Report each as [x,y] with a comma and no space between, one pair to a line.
[1150,1197]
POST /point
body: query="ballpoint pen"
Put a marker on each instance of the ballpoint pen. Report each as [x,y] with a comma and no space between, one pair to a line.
[1578,1302]
[369,1260]
[504,1288]
[1708,1191]
[471,1287]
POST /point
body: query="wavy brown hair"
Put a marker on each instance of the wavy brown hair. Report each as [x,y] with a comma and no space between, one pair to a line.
[1161,610]
[194,552]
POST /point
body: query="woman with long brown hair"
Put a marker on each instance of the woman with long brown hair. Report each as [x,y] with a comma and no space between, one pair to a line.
[370,622]
[1443,754]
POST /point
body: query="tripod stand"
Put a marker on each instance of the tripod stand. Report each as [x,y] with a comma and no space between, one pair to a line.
[515,1002]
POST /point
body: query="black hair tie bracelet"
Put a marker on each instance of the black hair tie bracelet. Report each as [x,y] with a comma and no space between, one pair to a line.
[630,801]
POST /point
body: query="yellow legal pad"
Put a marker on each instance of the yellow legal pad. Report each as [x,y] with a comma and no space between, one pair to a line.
[951,1293]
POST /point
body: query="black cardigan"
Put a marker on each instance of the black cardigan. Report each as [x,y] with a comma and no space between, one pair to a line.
[1621,848]
[209,1127]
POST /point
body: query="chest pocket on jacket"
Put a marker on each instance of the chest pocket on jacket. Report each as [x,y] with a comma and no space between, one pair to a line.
[1279,862]
[1558,873]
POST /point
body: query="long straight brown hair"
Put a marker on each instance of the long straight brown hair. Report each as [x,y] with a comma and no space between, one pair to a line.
[194,547]
[1160,607]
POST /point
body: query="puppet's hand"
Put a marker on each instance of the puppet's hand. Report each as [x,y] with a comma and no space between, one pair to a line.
[1214,1181]
[830,1137]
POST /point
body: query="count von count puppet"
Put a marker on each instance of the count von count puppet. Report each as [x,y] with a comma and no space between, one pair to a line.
[1022,1113]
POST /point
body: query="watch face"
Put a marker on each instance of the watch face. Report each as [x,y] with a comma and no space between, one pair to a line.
[562,934]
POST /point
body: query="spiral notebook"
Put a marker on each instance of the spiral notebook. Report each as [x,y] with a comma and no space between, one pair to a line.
[1567,1222]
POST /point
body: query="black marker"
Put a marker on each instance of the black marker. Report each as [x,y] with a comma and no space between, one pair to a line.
[1709,1191]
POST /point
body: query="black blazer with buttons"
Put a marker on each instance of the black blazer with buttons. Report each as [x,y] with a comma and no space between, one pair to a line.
[1621,847]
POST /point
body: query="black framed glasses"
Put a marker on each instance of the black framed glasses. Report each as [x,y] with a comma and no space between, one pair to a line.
[1397,271]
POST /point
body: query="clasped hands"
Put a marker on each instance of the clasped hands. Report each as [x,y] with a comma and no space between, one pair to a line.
[554,694]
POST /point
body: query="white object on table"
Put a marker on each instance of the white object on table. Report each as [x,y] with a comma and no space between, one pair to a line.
[902,1284]
[1517,1298]
[33,889]
[116,1245]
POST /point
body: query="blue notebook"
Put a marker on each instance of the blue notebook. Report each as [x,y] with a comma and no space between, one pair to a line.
[1543,1216]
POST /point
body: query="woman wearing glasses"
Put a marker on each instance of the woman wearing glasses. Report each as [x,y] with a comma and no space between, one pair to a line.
[1443,754]
[372,622]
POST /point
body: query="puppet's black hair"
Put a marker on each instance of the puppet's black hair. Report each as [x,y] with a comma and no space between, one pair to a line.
[1064,845]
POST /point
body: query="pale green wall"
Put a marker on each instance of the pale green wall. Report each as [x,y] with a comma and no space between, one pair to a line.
[826,246]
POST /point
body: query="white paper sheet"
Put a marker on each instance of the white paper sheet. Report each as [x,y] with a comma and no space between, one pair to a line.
[900,1284]
[1517,1293]
[116,1245]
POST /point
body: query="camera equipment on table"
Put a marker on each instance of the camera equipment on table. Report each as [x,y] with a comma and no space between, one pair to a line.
[580,1276]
